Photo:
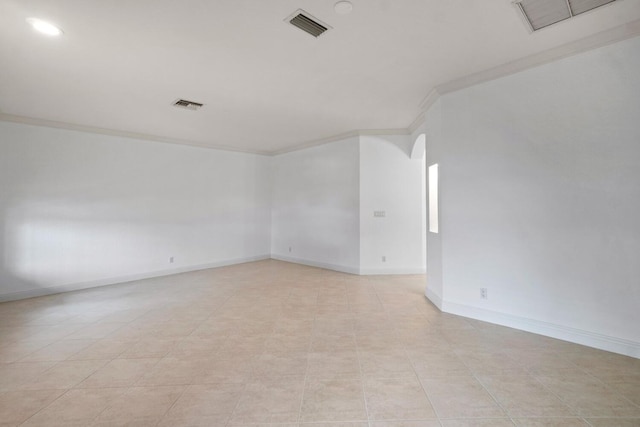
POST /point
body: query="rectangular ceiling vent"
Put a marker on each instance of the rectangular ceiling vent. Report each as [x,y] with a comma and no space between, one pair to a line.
[542,13]
[307,23]
[189,105]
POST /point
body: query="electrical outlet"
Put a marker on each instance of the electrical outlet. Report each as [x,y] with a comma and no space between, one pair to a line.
[289,248]
[483,293]
[384,258]
[171,260]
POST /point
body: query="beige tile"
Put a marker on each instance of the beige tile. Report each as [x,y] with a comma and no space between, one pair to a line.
[123,316]
[140,405]
[104,349]
[589,397]
[280,364]
[429,364]
[14,351]
[602,363]
[333,400]
[295,327]
[238,370]
[334,326]
[330,364]
[18,406]
[119,373]
[397,399]
[328,342]
[550,422]
[205,421]
[270,401]
[378,341]
[36,421]
[194,347]
[95,331]
[230,332]
[286,342]
[215,402]
[343,424]
[65,375]
[544,362]
[478,422]
[172,371]
[460,397]
[13,376]
[491,363]
[249,327]
[425,341]
[129,332]
[422,423]
[385,364]
[134,422]
[149,348]
[58,351]
[231,424]
[239,346]
[76,406]
[614,422]
[524,396]
[626,385]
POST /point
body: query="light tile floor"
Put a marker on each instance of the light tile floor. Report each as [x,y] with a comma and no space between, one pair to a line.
[278,344]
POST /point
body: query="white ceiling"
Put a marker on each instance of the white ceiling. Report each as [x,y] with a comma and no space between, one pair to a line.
[266,85]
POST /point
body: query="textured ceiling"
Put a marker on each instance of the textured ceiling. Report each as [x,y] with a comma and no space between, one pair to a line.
[266,85]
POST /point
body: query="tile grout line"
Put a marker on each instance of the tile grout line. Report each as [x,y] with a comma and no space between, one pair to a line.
[404,350]
[306,371]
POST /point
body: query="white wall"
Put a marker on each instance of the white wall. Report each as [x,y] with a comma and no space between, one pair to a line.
[392,182]
[80,209]
[540,199]
[315,206]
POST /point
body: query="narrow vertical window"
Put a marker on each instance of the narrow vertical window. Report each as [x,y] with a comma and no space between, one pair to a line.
[433,198]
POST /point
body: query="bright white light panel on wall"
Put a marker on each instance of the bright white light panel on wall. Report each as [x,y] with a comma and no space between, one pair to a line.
[433,198]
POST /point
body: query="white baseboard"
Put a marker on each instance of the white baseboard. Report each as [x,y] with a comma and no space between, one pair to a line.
[434,298]
[395,271]
[351,269]
[565,333]
[335,267]
[30,293]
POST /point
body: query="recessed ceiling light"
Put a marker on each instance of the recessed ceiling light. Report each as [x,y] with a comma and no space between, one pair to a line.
[44,27]
[343,7]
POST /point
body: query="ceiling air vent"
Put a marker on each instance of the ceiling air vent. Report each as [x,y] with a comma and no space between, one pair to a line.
[189,105]
[307,23]
[542,13]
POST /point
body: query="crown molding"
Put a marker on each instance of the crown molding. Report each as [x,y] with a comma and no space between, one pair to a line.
[425,104]
[430,99]
[340,137]
[316,142]
[155,138]
[124,134]
[417,122]
[604,38]
[601,39]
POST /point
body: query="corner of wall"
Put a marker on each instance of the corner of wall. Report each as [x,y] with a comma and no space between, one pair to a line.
[433,297]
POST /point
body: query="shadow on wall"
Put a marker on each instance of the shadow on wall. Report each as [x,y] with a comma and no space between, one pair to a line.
[419,147]
[9,281]
[43,247]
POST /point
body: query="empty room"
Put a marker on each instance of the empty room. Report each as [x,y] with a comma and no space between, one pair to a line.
[320,213]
